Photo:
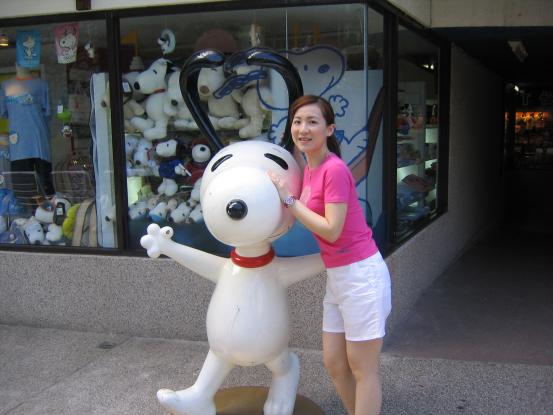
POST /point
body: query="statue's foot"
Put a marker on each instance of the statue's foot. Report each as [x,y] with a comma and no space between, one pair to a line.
[282,393]
[185,402]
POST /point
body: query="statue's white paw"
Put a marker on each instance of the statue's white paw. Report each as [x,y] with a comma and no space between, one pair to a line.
[185,402]
[155,238]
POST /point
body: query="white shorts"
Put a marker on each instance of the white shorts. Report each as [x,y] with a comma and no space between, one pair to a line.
[358,299]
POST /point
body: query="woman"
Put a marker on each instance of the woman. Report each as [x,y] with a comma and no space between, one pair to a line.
[357,300]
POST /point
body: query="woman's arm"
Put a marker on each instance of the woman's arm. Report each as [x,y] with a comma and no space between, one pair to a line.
[329,227]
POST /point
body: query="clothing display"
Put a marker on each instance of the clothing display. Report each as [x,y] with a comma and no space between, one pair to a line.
[25,102]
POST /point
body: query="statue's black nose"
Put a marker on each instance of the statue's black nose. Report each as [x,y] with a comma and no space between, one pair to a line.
[136,86]
[237,209]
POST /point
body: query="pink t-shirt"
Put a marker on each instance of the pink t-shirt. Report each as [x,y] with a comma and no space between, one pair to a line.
[332,182]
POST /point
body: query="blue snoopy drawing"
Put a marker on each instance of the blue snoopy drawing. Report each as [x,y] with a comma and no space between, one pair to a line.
[322,70]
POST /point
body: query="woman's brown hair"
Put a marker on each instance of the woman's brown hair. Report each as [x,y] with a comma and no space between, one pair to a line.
[328,114]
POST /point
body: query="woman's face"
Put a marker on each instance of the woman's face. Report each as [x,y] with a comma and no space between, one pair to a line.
[310,130]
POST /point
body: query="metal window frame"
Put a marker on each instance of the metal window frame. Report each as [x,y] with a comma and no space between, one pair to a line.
[444,80]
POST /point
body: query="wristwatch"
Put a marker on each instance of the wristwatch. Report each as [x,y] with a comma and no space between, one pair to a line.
[289,201]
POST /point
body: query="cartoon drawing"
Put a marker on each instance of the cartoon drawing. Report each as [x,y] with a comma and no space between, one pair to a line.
[67,39]
[28,47]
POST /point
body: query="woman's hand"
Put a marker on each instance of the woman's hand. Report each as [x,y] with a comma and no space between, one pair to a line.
[280,184]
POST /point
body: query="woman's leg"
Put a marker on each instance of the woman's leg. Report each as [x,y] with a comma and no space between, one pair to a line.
[336,363]
[364,361]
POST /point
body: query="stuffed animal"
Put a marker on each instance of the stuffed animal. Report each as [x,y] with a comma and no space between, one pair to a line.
[15,234]
[54,234]
[167,41]
[175,107]
[45,212]
[170,166]
[181,213]
[152,82]
[131,105]
[159,213]
[34,231]
[196,215]
[248,97]
[131,144]
[143,160]
[68,225]
[242,208]
[223,111]
[107,209]
[138,210]
[9,204]
[201,154]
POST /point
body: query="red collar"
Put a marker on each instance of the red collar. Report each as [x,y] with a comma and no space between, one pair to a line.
[252,262]
[158,90]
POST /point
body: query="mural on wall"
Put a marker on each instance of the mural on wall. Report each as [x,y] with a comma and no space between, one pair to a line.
[323,72]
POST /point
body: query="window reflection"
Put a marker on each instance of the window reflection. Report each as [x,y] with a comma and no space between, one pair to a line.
[417,131]
[53,191]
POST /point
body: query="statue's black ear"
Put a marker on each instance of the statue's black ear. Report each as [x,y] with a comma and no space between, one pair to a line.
[271,59]
[206,58]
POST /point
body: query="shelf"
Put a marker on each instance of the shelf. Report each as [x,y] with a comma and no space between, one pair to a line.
[414,163]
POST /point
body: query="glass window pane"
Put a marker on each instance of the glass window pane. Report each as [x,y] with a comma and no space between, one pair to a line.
[417,131]
[328,46]
[56,175]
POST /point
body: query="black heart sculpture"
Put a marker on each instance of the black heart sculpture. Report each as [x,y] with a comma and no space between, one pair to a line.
[211,58]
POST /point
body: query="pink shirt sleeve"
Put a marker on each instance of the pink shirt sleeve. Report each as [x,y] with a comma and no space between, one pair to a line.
[336,184]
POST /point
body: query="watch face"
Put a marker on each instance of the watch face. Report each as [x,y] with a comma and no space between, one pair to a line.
[289,201]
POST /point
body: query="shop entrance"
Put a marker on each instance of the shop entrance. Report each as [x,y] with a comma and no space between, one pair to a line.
[494,304]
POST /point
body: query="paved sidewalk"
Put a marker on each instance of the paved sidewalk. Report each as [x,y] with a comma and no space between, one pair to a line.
[58,372]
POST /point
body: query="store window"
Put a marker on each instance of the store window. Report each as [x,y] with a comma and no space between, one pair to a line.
[56,173]
[529,134]
[417,132]
[335,58]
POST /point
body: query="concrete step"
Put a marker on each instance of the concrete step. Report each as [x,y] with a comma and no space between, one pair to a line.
[49,371]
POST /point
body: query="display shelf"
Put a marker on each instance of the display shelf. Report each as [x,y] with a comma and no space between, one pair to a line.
[416,196]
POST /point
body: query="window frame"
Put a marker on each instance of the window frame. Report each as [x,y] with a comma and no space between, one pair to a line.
[393,17]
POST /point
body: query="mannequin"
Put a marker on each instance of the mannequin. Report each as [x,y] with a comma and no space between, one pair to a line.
[24,100]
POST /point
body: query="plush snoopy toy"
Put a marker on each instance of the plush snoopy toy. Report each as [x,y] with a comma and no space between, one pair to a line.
[152,82]
[247,318]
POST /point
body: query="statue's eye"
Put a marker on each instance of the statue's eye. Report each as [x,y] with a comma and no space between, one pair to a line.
[220,161]
[278,160]
[324,68]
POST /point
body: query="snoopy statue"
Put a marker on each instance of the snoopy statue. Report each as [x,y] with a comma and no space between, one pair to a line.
[247,319]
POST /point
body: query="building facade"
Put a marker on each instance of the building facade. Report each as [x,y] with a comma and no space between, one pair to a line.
[419,123]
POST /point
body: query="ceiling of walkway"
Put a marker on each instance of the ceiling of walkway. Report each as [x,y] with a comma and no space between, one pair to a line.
[489,45]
